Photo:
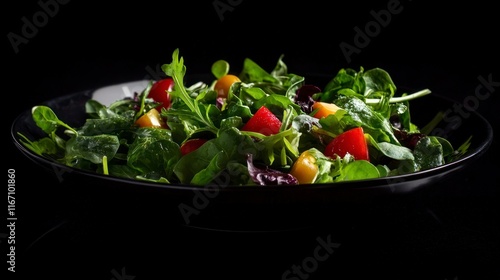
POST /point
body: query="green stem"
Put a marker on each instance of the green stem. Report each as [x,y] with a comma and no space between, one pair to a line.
[400,99]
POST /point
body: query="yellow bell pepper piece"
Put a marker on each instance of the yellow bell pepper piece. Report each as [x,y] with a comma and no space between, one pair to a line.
[152,118]
[305,168]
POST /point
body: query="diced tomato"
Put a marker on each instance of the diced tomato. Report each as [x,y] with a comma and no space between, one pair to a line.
[191,145]
[159,92]
[263,121]
[352,141]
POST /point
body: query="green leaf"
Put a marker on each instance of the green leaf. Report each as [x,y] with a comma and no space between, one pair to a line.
[153,152]
[390,150]
[114,124]
[47,120]
[253,73]
[213,157]
[91,148]
[358,170]
[44,146]
[378,83]
[461,150]
[372,121]
[429,153]
[177,70]
[220,68]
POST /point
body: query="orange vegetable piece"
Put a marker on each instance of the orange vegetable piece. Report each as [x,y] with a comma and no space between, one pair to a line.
[324,109]
[152,118]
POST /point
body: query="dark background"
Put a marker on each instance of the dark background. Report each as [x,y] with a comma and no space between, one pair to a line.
[88,44]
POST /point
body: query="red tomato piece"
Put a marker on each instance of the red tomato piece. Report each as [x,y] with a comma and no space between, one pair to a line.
[263,121]
[191,145]
[159,92]
[352,141]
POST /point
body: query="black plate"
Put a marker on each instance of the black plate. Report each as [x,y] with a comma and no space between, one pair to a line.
[239,207]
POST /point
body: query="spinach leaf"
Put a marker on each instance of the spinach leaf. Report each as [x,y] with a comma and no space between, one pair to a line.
[429,153]
[91,148]
[46,119]
[358,170]
[390,150]
[114,124]
[361,114]
[203,165]
[153,153]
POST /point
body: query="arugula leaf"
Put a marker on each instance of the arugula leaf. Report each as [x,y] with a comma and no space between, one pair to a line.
[176,69]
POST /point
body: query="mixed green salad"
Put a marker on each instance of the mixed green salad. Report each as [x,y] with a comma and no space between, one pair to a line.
[254,128]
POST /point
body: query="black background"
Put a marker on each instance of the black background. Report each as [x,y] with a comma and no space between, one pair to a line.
[90,44]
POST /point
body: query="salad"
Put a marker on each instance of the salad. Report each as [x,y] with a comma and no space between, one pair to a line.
[254,128]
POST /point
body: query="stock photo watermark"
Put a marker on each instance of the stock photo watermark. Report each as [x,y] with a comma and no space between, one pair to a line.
[11,220]
[122,275]
[363,35]
[155,73]
[202,197]
[60,171]
[310,264]
[32,25]
[223,6]
[454,116]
